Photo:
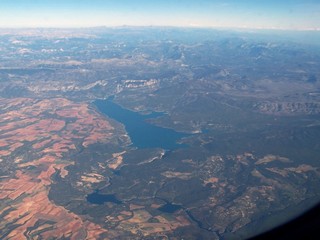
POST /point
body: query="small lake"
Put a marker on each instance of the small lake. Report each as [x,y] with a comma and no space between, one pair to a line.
[97,198]
[169,208]
[142,133]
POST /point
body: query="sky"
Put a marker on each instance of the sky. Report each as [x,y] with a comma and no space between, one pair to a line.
[262,14]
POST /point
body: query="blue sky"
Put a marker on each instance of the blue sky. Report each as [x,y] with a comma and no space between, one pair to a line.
[279,14]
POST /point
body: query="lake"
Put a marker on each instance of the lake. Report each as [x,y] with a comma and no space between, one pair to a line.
[170,208]
[142,133]
[98,198]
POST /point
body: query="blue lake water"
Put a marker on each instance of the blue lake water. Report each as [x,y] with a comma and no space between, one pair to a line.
[142,133]
[169,208]
[97,198]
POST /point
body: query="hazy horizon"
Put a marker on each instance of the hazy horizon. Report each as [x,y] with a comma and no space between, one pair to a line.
[284,15]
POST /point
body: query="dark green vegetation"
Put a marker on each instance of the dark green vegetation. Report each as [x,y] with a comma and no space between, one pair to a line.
[245,106]
[97,198]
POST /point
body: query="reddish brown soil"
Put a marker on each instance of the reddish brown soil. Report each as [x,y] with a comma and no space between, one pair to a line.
[36,133]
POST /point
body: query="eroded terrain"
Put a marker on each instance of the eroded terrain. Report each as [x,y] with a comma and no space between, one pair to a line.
[240,113]
[37,139]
